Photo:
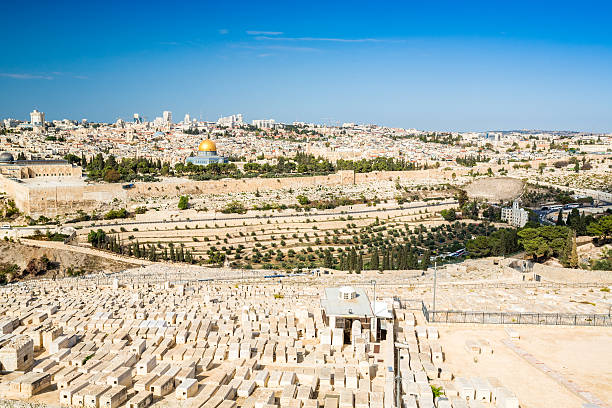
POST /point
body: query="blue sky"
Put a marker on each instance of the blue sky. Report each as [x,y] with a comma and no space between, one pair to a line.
[439,65]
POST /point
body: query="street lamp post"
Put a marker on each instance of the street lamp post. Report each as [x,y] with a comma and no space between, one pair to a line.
[433,316]
[373,282]
[374,325]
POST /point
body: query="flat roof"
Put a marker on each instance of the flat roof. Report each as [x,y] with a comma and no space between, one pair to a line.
[356,307]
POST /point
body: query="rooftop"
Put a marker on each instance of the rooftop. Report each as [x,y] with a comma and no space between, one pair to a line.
[335,305]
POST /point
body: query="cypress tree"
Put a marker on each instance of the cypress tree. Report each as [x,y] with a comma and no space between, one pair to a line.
[329,261]
[385,262]
[573,256]
[426,261]
[560,221]
[353,260]
[151,254]
[374,261]
[412,260]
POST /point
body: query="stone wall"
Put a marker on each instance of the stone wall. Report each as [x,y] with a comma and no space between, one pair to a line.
[560,274]
[36,200]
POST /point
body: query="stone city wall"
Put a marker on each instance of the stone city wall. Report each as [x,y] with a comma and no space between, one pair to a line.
[64,199]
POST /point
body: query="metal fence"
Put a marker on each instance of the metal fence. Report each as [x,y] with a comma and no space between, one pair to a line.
[553,319]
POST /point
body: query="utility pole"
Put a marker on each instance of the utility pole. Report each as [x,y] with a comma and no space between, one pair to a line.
[374,323]
[398,379]
[373,282]
[433,316]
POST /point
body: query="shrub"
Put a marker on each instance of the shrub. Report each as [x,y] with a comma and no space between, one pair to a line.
[183,203]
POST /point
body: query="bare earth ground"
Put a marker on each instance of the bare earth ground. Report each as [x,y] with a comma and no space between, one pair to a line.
[580,355]
[495,188]
[20,254]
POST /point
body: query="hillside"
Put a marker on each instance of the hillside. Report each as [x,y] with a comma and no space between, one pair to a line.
[59,262]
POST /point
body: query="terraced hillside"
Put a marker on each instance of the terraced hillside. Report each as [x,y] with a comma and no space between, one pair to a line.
[289,239]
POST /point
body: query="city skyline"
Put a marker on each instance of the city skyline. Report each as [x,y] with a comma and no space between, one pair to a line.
[446,67]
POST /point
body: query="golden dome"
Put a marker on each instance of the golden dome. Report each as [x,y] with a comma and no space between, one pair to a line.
[207,146]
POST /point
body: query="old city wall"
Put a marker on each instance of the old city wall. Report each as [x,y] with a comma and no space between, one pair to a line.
[16,191]
[63,199]
[345,177]
[67,198]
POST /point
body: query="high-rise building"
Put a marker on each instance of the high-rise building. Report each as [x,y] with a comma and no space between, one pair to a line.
[167,117]
[37,118]
[231,121]
[264,123]
[187,119]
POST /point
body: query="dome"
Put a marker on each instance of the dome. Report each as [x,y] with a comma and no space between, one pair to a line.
[6,157]
[207,146]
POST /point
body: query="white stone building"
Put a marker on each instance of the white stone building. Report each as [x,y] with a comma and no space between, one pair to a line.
[37,118]
[264,123]
[515,215]
[231,121]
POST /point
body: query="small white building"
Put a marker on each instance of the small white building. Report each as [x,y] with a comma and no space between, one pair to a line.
[342,307]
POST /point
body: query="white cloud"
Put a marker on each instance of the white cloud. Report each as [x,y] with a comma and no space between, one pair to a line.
[223,31]
[341,40]
[275,47]
[250,32]
[24,76]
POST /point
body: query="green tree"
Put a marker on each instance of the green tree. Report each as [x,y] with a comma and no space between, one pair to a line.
[543,242]
[426,260]
[374,260]
[329,260]
[479,247]
[302,199]
[573,219]
[601,228]
[183,203]
[572,258]
[449,215]
[461,197]
[560,221]
[111,176]
[385,260]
